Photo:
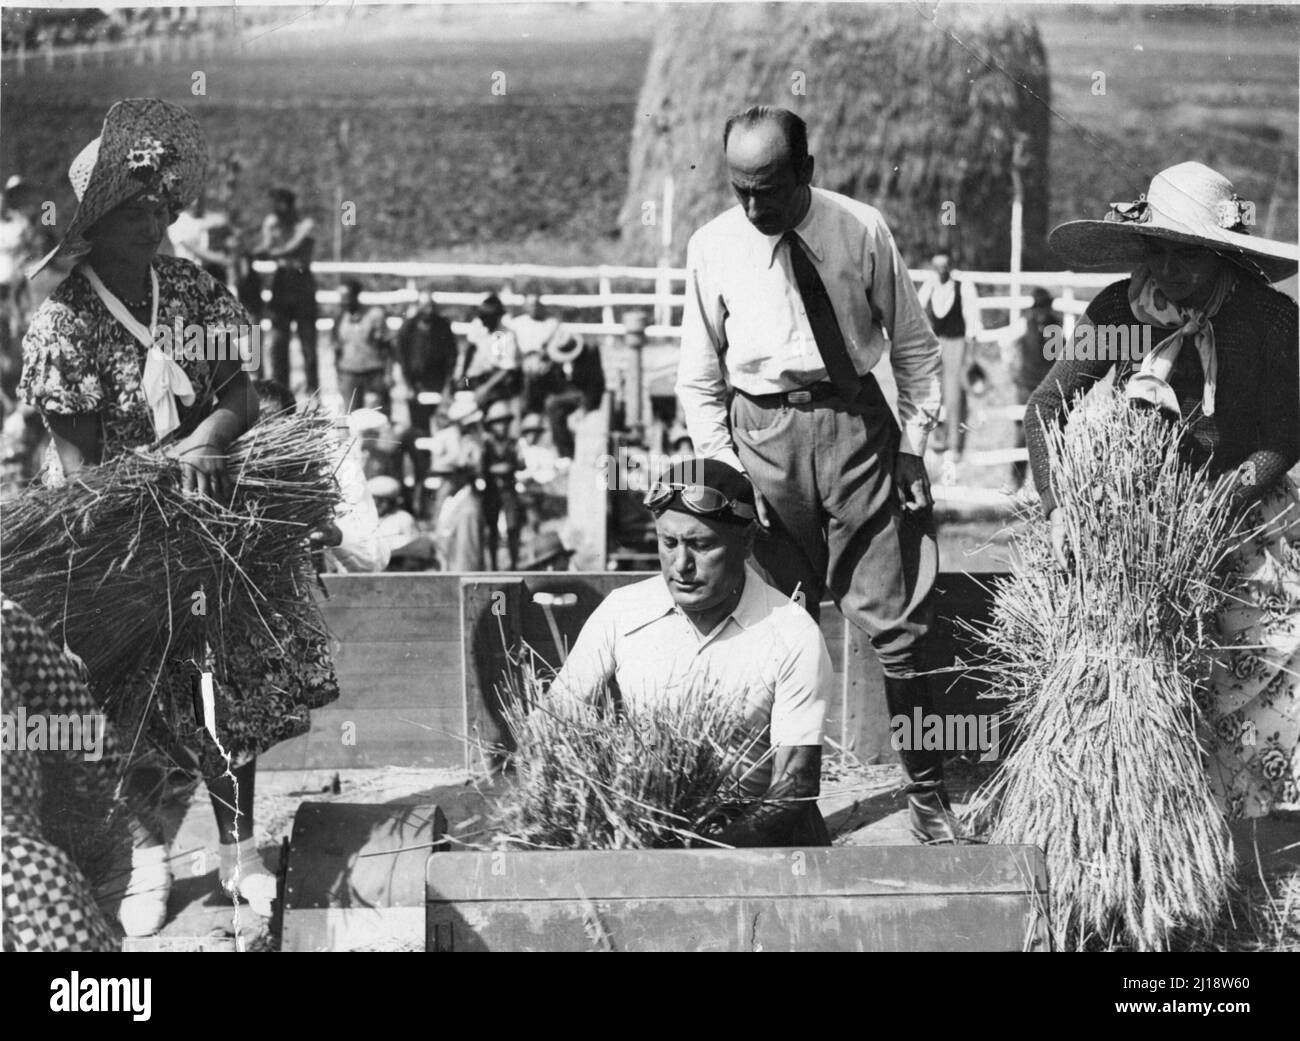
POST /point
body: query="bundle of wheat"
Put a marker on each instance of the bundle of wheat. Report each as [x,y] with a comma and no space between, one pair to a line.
[916,110]
[1104,667]
[597,774]
[128,571]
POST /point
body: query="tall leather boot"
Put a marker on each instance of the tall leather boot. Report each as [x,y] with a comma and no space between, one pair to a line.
[929,810]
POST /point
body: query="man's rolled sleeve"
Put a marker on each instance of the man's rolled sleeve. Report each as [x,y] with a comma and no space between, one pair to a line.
[805,681]
[914,349]
[701,383]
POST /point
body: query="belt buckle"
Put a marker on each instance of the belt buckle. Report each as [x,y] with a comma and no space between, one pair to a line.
[799,397]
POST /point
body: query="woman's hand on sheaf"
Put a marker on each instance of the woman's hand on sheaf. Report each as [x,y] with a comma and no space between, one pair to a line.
[1060,540]
[203,467]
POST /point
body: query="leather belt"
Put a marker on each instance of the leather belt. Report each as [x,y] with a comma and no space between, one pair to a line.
[811,394]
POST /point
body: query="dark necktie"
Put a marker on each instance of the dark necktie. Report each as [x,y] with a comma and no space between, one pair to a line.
[821,317]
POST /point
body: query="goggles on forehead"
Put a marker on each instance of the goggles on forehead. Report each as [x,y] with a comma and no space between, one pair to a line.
[698,498]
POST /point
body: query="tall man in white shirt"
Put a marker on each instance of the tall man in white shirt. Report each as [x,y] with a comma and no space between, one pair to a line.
[790,296]
[708,618]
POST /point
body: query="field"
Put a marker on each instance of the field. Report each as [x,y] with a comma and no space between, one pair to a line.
[436,164]
[441,167]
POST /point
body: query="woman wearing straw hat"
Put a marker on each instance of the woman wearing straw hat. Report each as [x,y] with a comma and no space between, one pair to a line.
[1223,356]
[106,385]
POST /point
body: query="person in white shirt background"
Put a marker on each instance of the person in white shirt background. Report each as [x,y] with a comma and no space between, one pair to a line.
[492,365]
[199,235]
[952,307]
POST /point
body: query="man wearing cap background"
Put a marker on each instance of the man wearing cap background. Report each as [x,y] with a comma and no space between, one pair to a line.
[501,463]
[456,460]
[789,299]
[710,618]
[396,525]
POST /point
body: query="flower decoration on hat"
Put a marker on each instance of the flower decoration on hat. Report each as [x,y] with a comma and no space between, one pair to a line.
[1232,213]
[1136,212]
[146,158]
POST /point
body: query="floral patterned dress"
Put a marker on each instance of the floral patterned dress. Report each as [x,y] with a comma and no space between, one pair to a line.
[1255,707]
[77,358]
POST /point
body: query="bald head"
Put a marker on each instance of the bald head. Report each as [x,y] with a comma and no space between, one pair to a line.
[769,167]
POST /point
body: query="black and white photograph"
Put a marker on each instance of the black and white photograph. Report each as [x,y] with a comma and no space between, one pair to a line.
[628,476]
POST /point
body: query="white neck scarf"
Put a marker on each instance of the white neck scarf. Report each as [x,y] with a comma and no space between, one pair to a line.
[1149,305]
[163,380]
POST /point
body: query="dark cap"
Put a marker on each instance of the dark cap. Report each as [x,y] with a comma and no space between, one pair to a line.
[728,482]
[1042,298]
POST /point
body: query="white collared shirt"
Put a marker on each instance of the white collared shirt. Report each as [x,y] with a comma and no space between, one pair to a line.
[745,322]
[767,649]
[534,334]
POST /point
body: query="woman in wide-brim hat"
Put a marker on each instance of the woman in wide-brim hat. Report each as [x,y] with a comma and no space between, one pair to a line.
[105,383]
[1224,357]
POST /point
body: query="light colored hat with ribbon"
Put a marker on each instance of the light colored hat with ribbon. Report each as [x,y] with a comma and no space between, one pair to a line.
[1187,203]
[146,144]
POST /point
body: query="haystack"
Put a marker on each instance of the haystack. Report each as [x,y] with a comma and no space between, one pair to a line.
[905,110]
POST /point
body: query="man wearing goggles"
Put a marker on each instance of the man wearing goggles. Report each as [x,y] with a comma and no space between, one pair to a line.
[698,499]
[710,619]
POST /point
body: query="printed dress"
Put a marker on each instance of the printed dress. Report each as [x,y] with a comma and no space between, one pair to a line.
[77,358]
[1255,708]
[48,903]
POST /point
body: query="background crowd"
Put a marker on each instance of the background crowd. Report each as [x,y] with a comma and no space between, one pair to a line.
[464,439]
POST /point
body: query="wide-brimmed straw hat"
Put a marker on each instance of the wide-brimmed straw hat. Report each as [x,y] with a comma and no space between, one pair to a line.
[145,145]
[1188,203]
[565,350]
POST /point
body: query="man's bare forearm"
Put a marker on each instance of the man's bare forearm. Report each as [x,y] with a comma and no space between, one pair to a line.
[235,412]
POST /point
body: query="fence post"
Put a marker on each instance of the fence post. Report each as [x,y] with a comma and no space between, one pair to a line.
[606,289]
[634,324]
[1067,321]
